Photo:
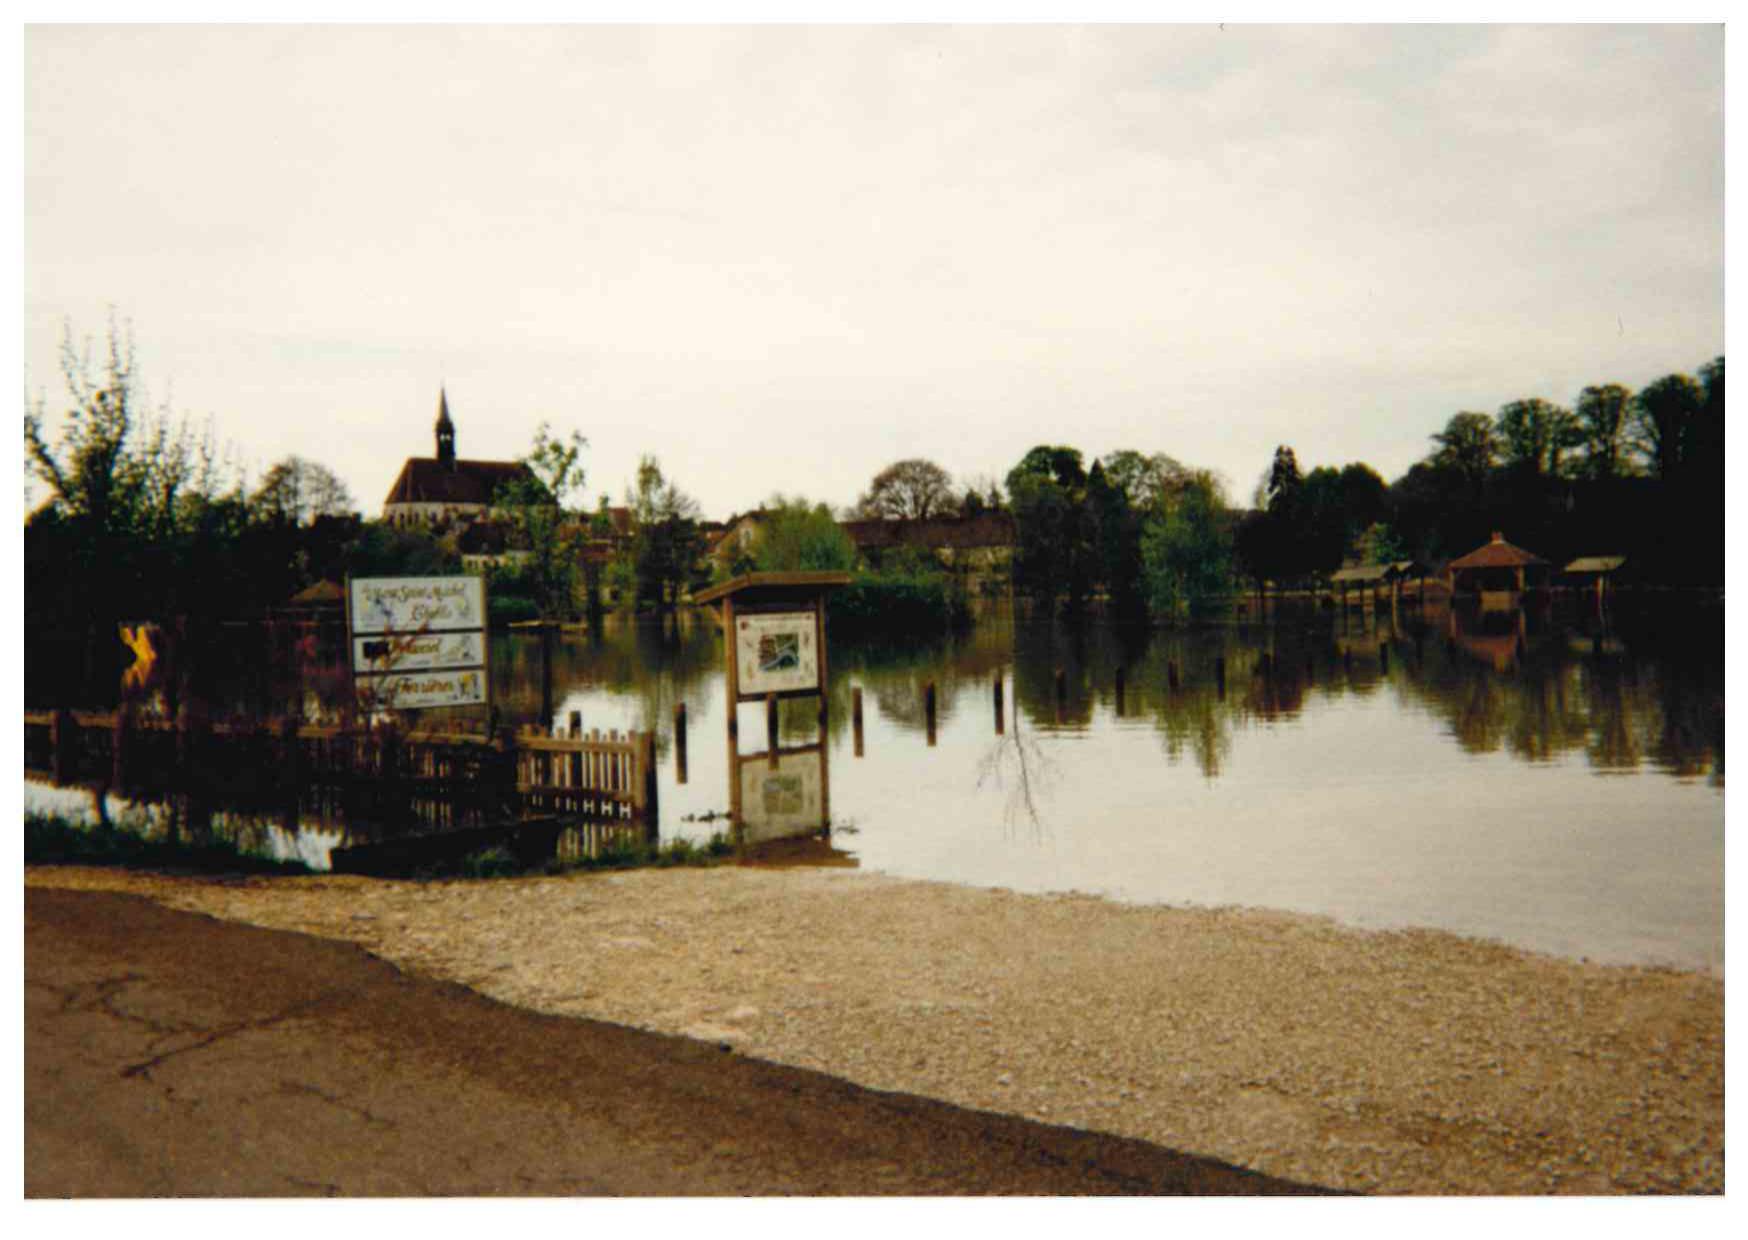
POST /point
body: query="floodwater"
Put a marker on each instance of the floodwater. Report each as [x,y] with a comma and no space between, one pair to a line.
[1553,780]
[1550,778]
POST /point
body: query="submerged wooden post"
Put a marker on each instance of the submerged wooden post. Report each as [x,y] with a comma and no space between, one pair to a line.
[929,709]
[1120,687]
[1384,657]
[120,739]
[679,742]
[61,752]
[291,771]
[1000,722]
[856,717]
[193,731]
[546,628]
[771,728]
[651,787]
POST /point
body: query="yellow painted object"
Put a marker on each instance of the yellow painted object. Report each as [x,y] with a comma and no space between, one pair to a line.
[139,640]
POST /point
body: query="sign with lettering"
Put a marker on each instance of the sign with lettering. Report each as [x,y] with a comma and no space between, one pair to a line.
[415,690]
[418,642]
[417,604]
[776,652]
[417,652]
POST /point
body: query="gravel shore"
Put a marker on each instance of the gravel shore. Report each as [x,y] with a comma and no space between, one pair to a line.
[1401,1062]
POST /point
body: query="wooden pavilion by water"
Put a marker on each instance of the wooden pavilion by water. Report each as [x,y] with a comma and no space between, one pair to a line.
[1498,573]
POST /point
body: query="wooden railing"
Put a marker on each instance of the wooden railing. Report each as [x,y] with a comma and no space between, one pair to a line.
[426,780]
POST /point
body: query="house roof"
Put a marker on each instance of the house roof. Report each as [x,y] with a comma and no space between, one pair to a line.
[986,529]
[1596,564]
[426,480]
[1497,554]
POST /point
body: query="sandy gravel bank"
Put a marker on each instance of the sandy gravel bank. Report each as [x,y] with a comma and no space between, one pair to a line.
[1411,1062]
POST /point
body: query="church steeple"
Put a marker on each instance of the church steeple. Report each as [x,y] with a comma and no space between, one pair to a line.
[445,431]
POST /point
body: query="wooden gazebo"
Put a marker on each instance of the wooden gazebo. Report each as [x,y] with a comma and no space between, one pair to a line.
[1498,572]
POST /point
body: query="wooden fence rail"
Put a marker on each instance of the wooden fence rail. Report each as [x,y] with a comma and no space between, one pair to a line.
[425,780]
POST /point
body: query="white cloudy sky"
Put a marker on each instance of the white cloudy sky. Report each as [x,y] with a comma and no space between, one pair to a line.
[780,258]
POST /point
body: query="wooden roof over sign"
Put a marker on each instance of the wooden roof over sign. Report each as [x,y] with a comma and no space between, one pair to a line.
[773,583]
[1596,564]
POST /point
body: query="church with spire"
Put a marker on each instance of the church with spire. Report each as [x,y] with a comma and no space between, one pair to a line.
[438,490]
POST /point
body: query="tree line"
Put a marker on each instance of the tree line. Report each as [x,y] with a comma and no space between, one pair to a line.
[144,516]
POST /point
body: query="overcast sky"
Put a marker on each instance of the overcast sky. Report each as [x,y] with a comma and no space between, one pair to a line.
[779,259]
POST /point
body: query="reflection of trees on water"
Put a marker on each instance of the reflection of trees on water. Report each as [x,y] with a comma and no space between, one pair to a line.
[894,676]
[1642,687]
[1015,762]
[1661,701]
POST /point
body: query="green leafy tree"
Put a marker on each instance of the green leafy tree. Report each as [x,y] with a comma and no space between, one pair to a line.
[1604,414]
[1186,547]
[1665,417]
[799,536]
[666,541]
[1115,534]
[1054,557]
[1469,447]
[534,503]
[1536,436]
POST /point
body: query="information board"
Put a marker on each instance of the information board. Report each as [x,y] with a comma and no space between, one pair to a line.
[417,652]
[413,690]
[776,652]
[418,642]
[417,604]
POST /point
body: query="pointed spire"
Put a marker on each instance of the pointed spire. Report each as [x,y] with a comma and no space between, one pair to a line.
[445,429]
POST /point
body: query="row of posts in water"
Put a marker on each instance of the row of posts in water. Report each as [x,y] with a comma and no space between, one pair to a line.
[1267,665]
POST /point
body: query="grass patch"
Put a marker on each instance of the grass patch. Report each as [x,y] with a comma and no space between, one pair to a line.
[50,839]
[616,854]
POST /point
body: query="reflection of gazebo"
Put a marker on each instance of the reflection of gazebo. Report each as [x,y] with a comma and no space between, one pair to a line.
[1498,572]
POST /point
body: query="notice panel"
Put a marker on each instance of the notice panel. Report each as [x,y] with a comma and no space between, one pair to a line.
[417,604]
[417,652]
[417,690]
[776,652]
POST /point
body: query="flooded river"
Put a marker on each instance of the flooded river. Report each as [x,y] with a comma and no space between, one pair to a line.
[1552,780]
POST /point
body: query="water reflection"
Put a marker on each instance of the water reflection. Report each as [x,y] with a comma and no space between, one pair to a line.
[1391,765]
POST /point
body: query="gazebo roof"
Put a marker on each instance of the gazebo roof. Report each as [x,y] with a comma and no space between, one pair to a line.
[1497,554]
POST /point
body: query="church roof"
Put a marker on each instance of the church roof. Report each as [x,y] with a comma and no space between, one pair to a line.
[425,480]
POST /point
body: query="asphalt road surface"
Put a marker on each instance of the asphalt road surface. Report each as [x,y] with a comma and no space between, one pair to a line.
[172,1055]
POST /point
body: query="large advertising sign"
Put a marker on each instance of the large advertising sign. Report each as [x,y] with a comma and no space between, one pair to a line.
[418,642]
[776,652]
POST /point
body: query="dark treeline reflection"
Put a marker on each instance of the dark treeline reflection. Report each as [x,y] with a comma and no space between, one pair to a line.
[1627,687]
[1639,687]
